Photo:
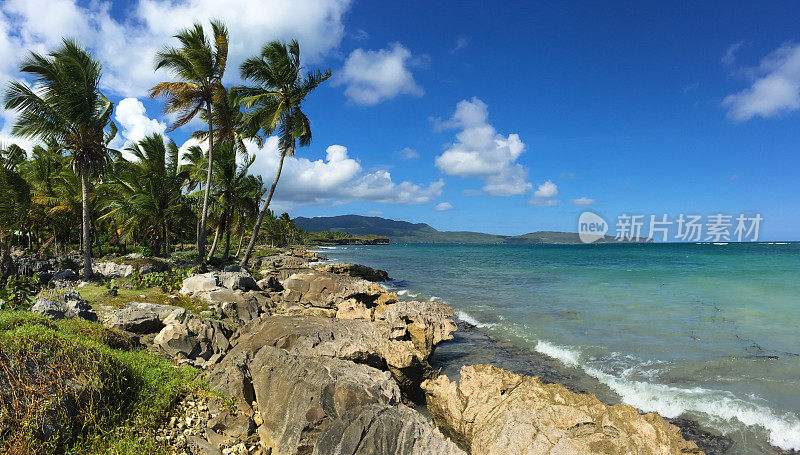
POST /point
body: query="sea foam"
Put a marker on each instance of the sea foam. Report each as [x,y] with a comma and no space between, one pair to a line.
[568,356]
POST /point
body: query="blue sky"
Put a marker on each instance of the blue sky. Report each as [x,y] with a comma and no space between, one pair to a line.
[505,116]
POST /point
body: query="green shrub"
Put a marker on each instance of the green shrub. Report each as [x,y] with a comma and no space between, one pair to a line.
[18,291]
[169,281]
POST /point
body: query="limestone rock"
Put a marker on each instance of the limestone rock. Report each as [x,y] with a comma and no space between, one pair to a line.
[383,430]
[63,303]
[325,289]
[197,339]
[142,318]
[426,323]
[112,270]
[195,284]
[493,411]
[353,270]
[238,281]
[299,396]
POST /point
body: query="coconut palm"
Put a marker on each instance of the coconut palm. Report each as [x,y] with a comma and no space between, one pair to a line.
[275,104]
[66,106]
[15,198]
[146,192]
[199,64]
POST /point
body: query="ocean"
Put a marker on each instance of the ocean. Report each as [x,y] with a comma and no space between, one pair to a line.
[704,332]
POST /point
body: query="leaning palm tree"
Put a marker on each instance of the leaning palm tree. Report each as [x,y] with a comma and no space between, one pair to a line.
[199,64]
[66,106]
[275,104]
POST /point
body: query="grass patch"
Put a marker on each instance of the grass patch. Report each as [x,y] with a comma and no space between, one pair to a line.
[98,295]
[73,386]
[262,252]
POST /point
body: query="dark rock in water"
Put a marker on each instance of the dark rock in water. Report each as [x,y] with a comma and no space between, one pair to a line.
[66,275]
[710,443]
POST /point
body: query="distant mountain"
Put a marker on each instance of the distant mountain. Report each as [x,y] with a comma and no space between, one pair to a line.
[405,232]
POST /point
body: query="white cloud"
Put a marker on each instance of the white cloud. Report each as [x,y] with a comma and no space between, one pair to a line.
[127,45]
[442,206]
[408,153]
[461,43]
[373,213]
[374,76]
[544,194]
[337,179]
[582,201]
[133,122]
[480,152]
[775,89]
[729,57]
[546,189]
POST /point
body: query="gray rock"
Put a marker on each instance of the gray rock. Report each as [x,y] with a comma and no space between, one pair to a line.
[63,303]
[270,283]
[141,318]
[299,396]
[325,289]
[196,284]
[50,308]
[234,268]
[353,270]
[196,339]
[147,269]
[112,270]
[238,281]
[200,446]
[66,275]
[383,430]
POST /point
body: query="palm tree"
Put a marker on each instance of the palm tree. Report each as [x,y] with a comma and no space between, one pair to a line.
[66,106]
[146,192]
[275,104]
[200,65]
[15,198]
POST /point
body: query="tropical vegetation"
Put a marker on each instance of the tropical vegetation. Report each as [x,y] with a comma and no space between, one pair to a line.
[81,187]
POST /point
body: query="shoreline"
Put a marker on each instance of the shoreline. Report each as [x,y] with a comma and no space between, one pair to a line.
[473,344]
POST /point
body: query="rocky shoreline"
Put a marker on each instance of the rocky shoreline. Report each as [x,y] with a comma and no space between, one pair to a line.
[316,358]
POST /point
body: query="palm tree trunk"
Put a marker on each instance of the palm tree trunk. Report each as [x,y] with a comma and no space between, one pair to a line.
[87,242]
[201,240]
[239,249]
[263,211]
[214,243]
[227,241]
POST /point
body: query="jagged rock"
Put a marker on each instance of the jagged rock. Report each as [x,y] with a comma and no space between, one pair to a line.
[234,268]
[147,269]
[426,323]
[65,275]
[493,411]
[383,430]
[239,306]
[353,309]
[279,261]
[371,343]
[110,269]
[196,339]
[238,281]
[353,270]
[325,289]
[196,284]
[142,318]
[270,283]
[64,303]
[299,396]
[236,426]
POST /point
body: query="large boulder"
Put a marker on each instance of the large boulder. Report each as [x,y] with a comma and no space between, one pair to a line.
[372,343]
[326,290]
[199,340]
[238,281]
[63,303]
[65,275]
[353,270]
[279,261]
[299,396]
[196,284]
[142,318]
[426,323]
[383,430]
[238,306]
[110,269]
[493,411]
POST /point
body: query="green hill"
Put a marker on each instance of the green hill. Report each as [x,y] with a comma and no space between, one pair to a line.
[405,232]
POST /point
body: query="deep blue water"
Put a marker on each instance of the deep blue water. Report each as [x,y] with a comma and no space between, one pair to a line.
[710,332]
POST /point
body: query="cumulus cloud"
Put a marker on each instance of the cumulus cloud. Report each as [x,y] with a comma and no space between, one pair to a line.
[408,153]
[582,201]
[482,153]
[442,206]
[127,44]
[133,122]
[775,88]
[371,76]
[336,179]
[544,194]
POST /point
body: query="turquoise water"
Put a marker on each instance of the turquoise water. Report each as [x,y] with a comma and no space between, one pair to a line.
[709,332]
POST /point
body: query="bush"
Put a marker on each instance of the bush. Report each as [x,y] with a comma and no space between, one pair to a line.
[169,281]
[18,291]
